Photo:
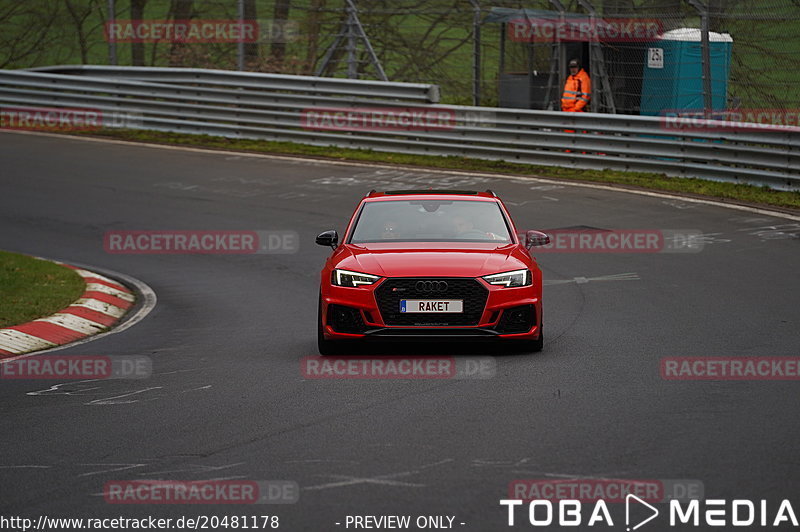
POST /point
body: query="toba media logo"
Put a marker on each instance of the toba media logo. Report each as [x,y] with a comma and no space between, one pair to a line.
[712,513]
[585,503]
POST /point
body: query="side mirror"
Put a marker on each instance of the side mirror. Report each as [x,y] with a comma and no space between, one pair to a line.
[328,238]
[536,238]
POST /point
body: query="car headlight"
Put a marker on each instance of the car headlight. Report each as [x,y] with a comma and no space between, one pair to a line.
[510,279]
[352,279]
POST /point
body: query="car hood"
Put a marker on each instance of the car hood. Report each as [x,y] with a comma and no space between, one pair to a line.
[432,259]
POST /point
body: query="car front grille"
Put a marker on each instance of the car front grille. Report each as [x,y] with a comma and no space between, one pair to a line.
[392,290]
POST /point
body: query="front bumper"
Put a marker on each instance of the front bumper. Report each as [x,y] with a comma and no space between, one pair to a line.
[350,313]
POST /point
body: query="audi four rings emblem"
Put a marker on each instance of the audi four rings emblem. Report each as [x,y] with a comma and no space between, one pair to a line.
[431,286]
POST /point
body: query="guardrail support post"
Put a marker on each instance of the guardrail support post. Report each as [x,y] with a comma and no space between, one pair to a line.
[705,47]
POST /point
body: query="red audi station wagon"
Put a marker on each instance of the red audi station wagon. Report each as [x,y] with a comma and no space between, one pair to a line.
[430,264]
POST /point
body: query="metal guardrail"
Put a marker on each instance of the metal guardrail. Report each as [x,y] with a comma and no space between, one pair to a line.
[288,108]
[411,92]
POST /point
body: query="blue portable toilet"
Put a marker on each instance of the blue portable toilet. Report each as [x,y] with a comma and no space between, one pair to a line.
[673,72]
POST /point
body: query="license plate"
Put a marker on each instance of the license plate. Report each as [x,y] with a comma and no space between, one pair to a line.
[432,306]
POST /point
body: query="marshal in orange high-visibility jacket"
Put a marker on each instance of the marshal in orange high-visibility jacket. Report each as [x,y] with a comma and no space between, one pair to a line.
[577,89]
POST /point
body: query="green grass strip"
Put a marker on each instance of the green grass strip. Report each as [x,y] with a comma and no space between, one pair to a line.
[32,288]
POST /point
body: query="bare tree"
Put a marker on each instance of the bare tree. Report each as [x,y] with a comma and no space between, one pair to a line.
[80,12]
[25,32]
[314,26]
[416,41]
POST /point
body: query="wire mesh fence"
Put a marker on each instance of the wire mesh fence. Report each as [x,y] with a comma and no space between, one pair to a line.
[643,56]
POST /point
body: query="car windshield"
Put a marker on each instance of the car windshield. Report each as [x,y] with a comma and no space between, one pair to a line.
[431,221]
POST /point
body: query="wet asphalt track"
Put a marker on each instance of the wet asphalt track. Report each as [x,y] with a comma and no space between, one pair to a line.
[227,399]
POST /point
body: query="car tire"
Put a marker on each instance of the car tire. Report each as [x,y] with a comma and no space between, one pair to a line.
[326,347]
[537,345]
[533,346]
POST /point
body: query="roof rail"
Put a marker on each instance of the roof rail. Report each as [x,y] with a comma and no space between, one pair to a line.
[431,191]
[490,191]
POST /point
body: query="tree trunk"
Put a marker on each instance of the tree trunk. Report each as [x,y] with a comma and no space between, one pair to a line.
[137,48]
[280,16]
[250,48]
[179,10]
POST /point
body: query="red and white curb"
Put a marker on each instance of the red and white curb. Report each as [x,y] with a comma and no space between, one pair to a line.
[102,305]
